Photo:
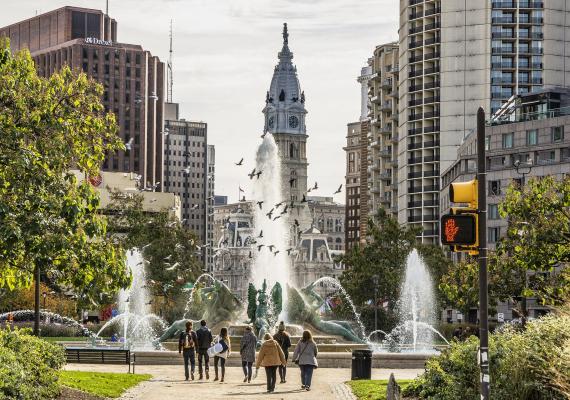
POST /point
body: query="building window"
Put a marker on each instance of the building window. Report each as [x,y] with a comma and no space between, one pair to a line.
[557,133]
[494,234]
[532,137]
[487,142]
[493,211]
[508,140]
[494,188]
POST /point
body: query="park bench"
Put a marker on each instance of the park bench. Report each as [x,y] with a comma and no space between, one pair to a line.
[82,355]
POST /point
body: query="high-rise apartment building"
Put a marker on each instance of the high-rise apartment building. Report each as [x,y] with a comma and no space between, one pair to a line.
[383,135]
[353,151]
[189,172]
[133,79]
[454,58]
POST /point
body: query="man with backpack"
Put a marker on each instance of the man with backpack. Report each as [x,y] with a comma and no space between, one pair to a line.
[187,346]
[204,341]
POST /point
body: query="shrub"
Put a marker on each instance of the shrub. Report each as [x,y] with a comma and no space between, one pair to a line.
[523,365]
[28,366]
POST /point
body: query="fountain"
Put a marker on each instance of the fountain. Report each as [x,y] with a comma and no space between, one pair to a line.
[271,264]
[138,324]
[45,316]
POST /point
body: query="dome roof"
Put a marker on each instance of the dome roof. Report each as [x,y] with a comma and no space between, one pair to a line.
[285,88]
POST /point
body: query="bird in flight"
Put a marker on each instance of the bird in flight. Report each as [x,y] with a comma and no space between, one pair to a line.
[260,204]
[270,213]
[251,174]
[304,199]
[278,205]
[271,247]
[239,163]
[258,174]
[277,217]
[339,189]
[187,170]
[289,250]
[259,247]
[260,234]
[129,144]
[276,252]
[285,209]
[296,222]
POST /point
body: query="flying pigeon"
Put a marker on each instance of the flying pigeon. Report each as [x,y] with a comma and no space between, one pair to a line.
[339,189]
[239,163]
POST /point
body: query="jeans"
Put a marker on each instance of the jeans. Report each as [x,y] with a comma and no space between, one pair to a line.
[306,374]
[203,354]
[283,368]
[189,356]
[222,362]
[271,373]
[247,369]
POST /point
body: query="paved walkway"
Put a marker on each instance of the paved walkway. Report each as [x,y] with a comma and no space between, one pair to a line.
[168,383]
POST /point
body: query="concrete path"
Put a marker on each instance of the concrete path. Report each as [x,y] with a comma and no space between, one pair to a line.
[168,383]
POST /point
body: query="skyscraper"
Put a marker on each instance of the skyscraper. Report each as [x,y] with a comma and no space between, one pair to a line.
[133,79]
[454,58]
[189,172]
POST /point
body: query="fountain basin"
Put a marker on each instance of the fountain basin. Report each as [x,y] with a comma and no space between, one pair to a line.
[326,359]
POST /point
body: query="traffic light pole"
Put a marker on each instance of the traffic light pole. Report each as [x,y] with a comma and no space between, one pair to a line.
[483,285]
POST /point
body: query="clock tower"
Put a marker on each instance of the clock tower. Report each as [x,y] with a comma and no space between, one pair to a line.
[285,119]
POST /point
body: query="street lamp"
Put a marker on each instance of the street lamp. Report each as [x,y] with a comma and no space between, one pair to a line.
[44,294]
[375,281]
[524,170]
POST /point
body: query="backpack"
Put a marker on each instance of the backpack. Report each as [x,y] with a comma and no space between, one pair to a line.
[188,341]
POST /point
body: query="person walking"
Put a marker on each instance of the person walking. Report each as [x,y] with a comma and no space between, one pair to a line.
[247,352]
[284,340]
[187,346]
[220,358]
[204,336]
[270,356]
[305,355]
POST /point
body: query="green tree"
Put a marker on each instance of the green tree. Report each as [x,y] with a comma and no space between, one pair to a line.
[384,255]
[168,246]
[48,221]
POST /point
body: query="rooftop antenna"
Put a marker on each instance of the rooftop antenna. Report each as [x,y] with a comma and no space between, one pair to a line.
[107,8]
[169,69]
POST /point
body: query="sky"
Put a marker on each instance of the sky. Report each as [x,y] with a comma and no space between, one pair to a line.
[224,55]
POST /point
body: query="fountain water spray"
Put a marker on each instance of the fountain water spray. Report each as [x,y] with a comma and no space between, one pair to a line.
[267,265]
[416,306]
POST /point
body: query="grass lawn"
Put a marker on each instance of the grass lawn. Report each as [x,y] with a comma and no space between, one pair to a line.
[101,383]
[373,389]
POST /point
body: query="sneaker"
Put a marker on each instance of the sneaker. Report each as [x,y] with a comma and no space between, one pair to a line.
[201,377]
[302,386]
[248,380]
[215,379]
[207,375]
[245,379]
[222,380]
[307,388]
[192,375]
[186,378]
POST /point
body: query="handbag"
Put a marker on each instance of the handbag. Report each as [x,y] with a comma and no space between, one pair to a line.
[296,361]
[215,349]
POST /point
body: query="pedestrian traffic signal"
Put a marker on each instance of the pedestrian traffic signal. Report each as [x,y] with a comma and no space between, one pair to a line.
[459,230]
[464,192]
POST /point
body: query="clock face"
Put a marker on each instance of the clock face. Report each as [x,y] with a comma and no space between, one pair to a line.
[271,121]
[293,121]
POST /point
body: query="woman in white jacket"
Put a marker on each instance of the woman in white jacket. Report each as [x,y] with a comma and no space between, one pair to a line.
[223,339]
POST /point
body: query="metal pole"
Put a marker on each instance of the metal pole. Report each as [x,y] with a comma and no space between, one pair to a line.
[483,285]
[37,301]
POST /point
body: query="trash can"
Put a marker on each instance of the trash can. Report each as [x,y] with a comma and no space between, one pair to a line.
[361,364]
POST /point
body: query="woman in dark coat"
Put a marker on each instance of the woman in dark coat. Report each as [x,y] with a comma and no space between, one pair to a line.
[247,352]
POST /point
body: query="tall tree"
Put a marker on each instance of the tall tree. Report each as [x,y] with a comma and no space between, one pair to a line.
[169,248]
[49,222]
